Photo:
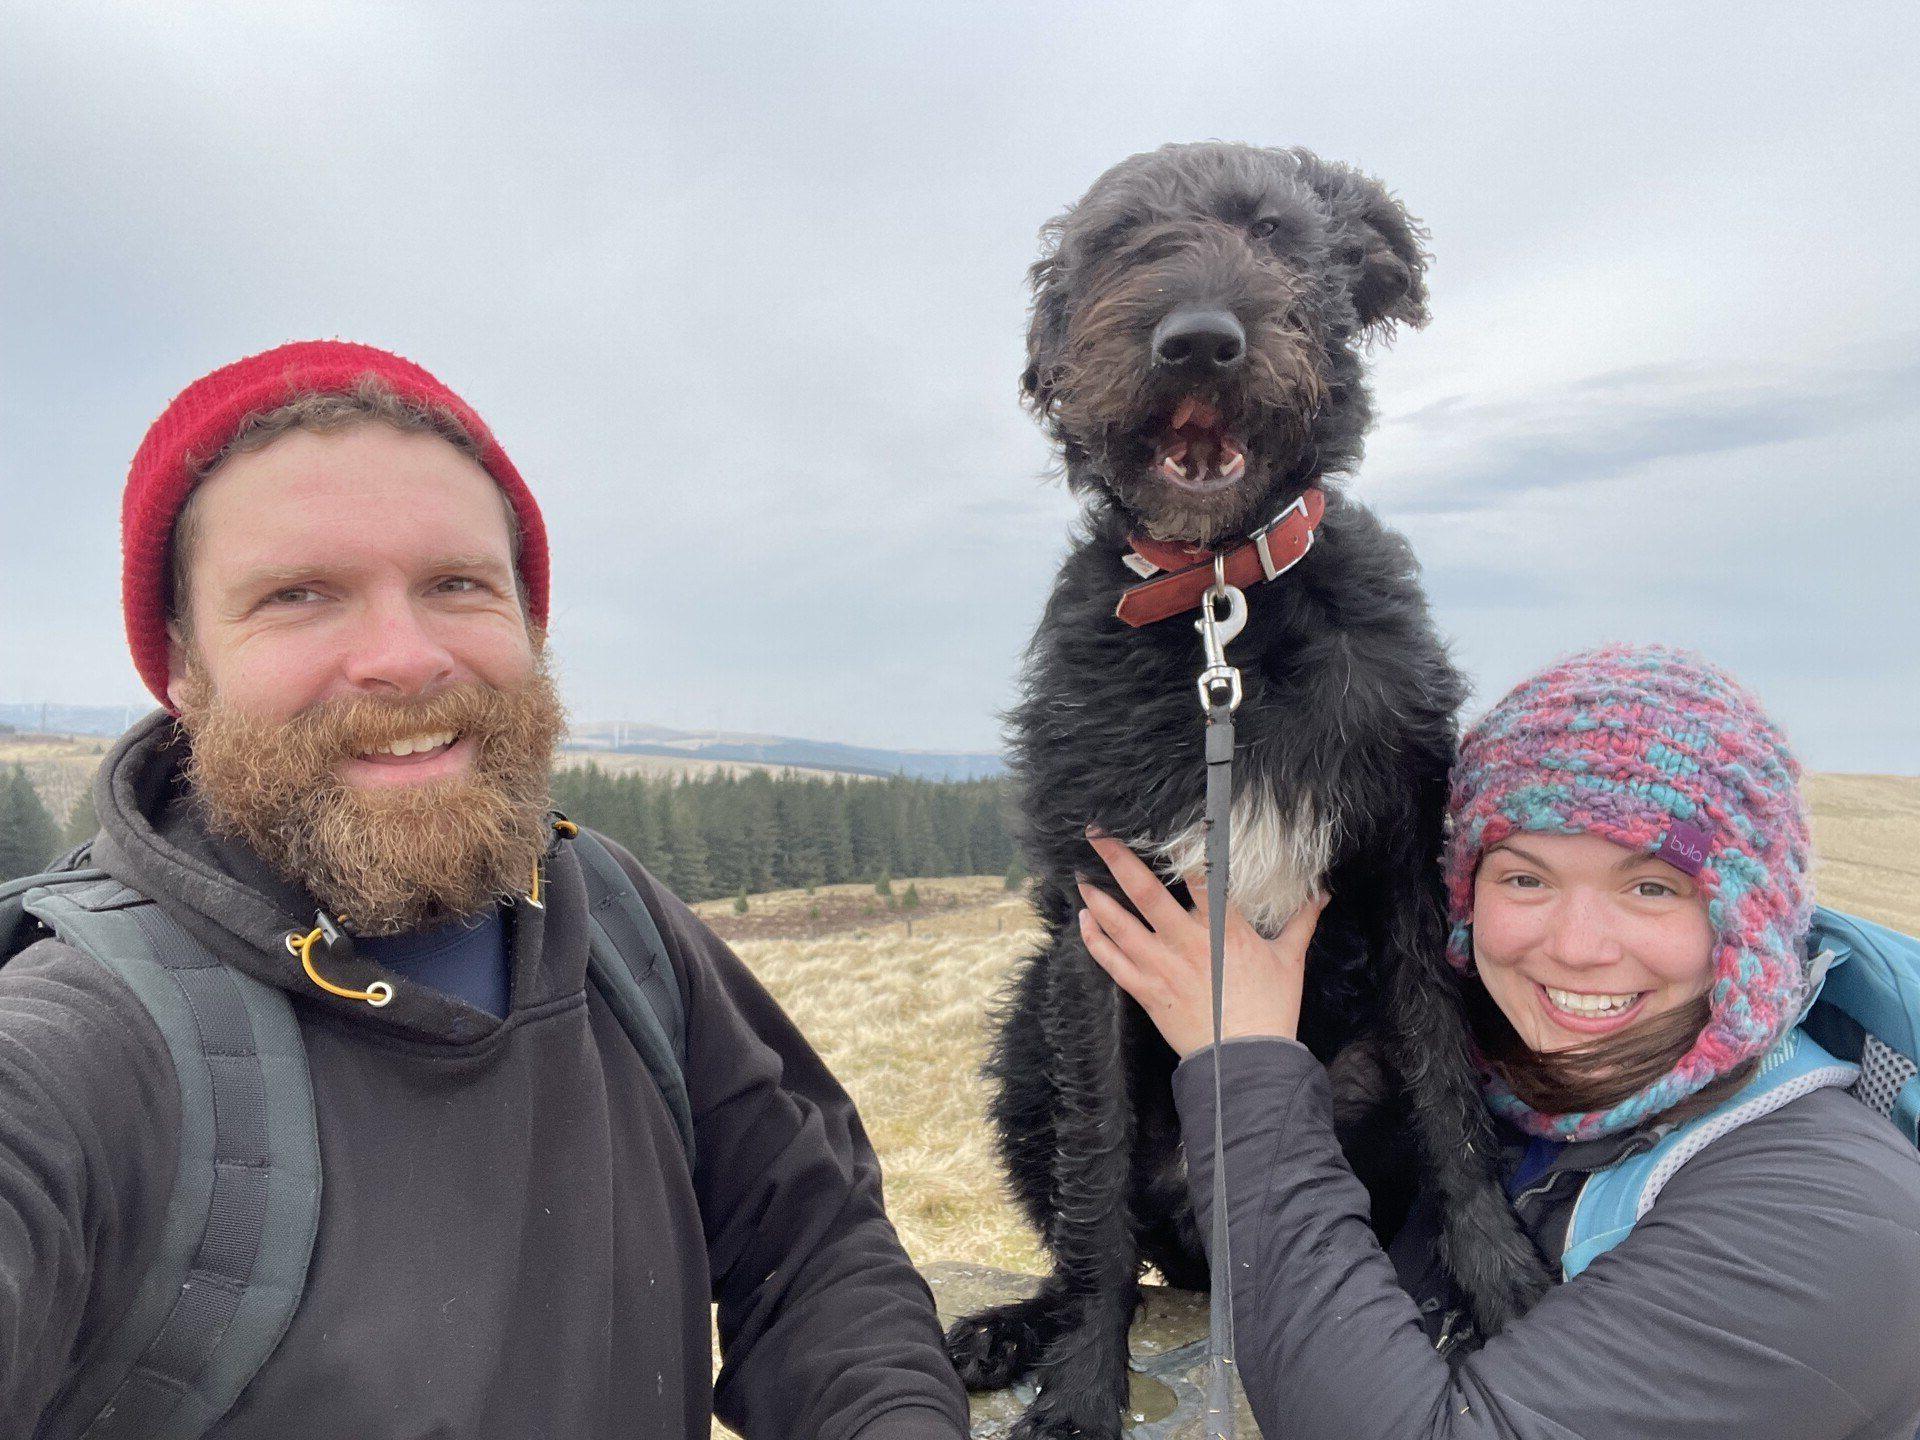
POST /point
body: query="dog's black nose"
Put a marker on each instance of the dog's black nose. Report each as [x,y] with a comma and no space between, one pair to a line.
[1199,340]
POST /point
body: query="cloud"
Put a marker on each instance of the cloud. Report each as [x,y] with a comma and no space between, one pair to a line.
[1790,564]
[740,288]
[1458,453]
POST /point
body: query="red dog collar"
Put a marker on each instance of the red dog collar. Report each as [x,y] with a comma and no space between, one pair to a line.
[1272,550]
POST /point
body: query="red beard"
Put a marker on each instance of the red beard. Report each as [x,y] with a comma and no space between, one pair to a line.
[390,860]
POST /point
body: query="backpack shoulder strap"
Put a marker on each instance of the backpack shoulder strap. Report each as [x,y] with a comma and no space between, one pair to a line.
[629,962]
[1868,1009]
[239,1229]
[17,924]
[1613,1200]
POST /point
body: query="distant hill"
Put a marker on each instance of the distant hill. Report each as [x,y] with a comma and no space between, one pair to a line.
[655,767]
[108,720]
[699,747]
[620,738]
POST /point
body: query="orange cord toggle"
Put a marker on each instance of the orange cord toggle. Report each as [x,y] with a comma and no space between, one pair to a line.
[566,828]
[376,994]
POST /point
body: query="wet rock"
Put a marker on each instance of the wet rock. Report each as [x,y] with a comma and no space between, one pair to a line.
[1168,1356]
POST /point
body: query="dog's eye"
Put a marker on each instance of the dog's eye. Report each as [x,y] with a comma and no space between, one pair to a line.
[1263,227]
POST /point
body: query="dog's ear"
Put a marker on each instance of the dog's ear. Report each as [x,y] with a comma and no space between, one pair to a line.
[1382,247]
[1046,331]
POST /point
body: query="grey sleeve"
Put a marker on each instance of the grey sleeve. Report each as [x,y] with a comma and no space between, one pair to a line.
[89,1140]
[1772,1294]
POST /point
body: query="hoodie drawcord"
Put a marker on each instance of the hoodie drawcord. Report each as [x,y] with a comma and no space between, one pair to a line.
[380,993]
[377,994]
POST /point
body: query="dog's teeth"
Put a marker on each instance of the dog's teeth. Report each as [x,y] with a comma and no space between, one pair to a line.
[1235,467]
[1173,469]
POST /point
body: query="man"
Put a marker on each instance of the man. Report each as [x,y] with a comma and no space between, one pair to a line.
[337,582]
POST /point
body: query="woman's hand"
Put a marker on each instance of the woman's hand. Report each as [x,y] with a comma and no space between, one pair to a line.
[1165,964]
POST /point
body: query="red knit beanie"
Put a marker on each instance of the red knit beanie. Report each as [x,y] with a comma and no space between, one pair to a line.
[204,418]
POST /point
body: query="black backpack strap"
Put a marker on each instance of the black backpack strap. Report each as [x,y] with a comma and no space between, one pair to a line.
[19,928]
[629,962]
[239,1229]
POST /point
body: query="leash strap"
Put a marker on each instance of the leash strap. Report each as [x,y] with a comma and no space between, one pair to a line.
[1219,696]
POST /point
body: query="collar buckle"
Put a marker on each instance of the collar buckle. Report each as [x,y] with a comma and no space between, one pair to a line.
[1267,567]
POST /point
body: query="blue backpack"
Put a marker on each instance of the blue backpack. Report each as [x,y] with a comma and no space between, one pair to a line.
[1861,1030]
[240,1226]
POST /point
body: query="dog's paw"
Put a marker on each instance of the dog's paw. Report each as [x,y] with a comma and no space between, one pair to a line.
[993,1349]
[1493,1261]
[1063,1417]
[1083,1384]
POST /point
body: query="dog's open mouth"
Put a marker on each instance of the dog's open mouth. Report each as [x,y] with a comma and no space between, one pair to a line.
[1197,452]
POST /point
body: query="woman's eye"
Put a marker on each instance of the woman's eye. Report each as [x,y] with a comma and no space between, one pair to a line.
[1653,889]
[1263,227]
[1522,881]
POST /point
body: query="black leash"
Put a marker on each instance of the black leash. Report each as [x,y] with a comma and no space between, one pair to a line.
[1219,698]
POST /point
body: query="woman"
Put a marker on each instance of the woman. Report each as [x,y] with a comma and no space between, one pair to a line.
[1626,873]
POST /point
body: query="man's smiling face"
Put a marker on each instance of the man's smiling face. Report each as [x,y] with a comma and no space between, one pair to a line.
[365,703]
[362,564]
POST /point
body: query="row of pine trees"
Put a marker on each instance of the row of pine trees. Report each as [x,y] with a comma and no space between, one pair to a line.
[729,834]
[29,836]
[703,838]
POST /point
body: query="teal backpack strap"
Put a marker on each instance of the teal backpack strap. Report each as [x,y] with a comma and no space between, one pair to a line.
[240,1226]
[1868,1010]
[630,964]
[1614,1199]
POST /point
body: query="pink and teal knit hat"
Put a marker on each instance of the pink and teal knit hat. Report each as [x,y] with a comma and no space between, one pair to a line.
[1657,750]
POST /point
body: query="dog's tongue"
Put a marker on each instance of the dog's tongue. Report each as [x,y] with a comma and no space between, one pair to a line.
[1196,412]
[1196,446]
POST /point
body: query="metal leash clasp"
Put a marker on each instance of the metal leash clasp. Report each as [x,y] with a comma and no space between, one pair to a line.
[1220,682]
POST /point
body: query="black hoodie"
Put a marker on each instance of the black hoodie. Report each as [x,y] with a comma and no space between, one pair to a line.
[511,1242]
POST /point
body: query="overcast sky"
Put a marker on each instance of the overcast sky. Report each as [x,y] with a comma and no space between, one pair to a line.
[740,288]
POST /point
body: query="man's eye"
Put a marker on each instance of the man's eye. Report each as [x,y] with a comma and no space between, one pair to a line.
[461,583]
[292,595]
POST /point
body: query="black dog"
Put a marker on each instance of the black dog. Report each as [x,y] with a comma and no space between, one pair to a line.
[1195,351]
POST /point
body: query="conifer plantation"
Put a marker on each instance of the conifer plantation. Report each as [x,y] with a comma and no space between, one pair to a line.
[704,837]
[28,837]
[719,835]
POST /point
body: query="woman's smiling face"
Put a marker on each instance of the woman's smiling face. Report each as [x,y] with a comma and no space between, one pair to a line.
[1577,938]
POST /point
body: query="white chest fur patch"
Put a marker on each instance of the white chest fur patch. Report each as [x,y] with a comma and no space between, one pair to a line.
[1275,860]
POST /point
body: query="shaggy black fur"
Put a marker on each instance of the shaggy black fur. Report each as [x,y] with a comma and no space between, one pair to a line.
[1349,707]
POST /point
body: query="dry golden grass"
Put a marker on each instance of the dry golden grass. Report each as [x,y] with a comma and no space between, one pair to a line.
[1866,840]
[903,1020]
